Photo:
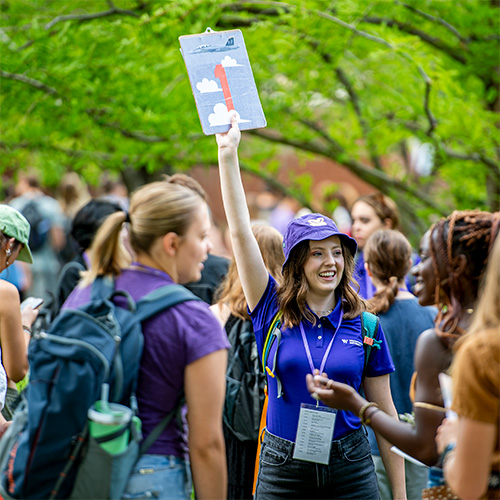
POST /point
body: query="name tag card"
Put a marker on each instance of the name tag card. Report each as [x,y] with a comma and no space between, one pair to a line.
[314,433]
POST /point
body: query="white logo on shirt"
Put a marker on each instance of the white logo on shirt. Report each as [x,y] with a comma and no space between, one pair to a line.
[352,342]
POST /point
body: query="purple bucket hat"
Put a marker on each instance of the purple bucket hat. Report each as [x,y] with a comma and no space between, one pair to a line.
[313,227]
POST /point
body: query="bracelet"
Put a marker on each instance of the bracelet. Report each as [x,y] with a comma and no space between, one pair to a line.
[362,410]
[368,420]
[27,329]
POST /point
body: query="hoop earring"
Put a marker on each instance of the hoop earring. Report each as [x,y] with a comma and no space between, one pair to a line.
[8,252]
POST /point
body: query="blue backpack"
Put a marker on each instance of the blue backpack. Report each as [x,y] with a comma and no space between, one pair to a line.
[83,349]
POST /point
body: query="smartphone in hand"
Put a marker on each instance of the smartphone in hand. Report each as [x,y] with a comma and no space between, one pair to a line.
[34,302]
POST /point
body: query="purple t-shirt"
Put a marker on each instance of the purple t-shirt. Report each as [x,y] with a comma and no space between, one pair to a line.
[172,340]
[344,363]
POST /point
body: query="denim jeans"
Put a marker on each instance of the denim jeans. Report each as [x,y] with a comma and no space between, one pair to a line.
[349,474]
[159,477]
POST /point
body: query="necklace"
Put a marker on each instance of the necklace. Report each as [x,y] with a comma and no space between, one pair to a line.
[326,312]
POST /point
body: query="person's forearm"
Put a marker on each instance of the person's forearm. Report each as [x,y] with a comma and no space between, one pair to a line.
[467,466]
[405,437]
[233,193]
[460,482]
[209,471]
[394,465]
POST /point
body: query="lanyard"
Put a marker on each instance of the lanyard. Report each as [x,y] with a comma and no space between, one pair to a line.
[325,356]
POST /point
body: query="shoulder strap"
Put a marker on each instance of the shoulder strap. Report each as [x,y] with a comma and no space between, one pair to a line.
[273,334]
[162,298]
[369,329]
[158,300]
[270,337]
[160,427]
[102,288]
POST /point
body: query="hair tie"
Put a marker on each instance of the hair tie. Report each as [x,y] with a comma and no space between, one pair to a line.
[127,217]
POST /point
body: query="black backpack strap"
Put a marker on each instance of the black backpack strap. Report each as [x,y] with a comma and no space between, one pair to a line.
[160,427]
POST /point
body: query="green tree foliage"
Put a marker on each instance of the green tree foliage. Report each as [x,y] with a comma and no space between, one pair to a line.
[89,85]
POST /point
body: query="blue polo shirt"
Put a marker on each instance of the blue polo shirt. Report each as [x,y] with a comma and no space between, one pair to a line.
[344,363]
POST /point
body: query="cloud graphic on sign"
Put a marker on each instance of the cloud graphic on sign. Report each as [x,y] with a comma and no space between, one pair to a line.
[229,61]
[220,116]
[207,85]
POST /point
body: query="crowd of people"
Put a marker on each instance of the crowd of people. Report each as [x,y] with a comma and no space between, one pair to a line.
[339,419]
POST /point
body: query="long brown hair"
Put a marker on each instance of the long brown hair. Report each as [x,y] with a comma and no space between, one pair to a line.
[388,255]
[293,290]
[230,291]
[470,233]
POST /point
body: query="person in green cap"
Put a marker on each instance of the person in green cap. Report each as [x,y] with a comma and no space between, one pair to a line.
[15,325]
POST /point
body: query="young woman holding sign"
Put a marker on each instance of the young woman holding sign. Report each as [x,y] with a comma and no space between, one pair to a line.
[308,450]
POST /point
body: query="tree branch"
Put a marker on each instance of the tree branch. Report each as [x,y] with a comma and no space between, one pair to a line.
[132,134]
[357,109]
[29,81]
[273,182]
[381,41]
[492,165]
[375,177]
[431,40]
[313,126]
[427,109]
[439,20]
[353,29]
[94,15]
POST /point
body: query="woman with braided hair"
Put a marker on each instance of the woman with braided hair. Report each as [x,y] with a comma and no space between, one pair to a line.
[472,462]
[388,259]
[453,255]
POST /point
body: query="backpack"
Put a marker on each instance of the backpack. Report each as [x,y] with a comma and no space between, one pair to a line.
[244,382]
[84,348]
[49,311]
[39,225]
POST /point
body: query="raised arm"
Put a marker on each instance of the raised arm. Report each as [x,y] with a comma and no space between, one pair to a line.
[251,267]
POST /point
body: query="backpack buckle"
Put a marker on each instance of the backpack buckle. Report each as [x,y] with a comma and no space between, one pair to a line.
[372,342]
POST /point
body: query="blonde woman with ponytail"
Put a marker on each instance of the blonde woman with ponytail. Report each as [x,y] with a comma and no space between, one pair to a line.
[184,346]
[387,262]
